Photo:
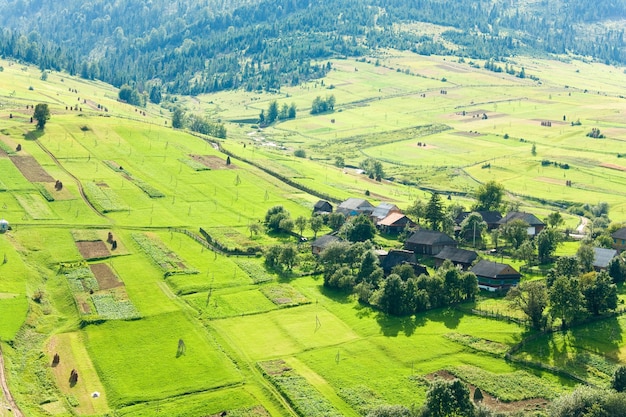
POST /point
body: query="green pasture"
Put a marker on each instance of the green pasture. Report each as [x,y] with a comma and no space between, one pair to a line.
[284,332]
[236,401]
[223,303]
[591,351]
[130,356]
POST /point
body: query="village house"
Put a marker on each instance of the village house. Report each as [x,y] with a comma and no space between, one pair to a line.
[619,239]
[428,242]
[494,276]
[397,257]
[322,242]
[534,224]
[383,210]
[602,257]
[354,207]
[322,207]
[492,218]
[394,223]
[459,257]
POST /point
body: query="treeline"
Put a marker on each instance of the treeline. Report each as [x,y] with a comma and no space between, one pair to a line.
[354,267]
[194,47]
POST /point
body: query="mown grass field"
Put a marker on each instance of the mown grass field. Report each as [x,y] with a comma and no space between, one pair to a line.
[130,174]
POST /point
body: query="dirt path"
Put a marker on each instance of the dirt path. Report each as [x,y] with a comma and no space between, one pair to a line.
[5,389]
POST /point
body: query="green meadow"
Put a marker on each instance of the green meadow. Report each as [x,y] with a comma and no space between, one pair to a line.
[210,332]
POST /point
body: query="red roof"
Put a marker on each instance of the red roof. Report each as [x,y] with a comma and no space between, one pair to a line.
[391,219]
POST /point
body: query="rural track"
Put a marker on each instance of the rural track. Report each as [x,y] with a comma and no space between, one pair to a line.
[5,389]
[76,180]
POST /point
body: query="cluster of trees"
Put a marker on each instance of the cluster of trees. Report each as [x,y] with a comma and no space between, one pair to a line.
[205,126]
[131,95]
[373,168]
[355,267]
[569,293]
[322,105]
[275,113]
[198,124]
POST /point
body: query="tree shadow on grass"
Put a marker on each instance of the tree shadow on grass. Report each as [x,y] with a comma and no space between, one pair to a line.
[391,326]
[340,296]
[450,317]
[33,134]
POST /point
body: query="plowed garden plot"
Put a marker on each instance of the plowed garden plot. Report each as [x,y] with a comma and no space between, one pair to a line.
[30,168]
[213,162]
[105,276]
[93,250]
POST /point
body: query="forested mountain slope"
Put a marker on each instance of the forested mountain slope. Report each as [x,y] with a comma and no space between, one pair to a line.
[192,46]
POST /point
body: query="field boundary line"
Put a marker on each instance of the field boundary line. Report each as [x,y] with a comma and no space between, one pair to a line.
[5,389]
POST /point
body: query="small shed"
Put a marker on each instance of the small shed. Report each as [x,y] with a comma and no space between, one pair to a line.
[322,207]
[428,242]
[494,276]
[490,217]
[459,257]
[4,226]
[397,257]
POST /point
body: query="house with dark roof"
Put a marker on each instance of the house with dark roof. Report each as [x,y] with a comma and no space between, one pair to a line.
[383,210]
[494,276]
[394,223]
[322,207]
[602,257]
[534,224]
[459,257]
[428,242]
[619,239]
[397,257]
[490,217]
[322,242]
[354,207]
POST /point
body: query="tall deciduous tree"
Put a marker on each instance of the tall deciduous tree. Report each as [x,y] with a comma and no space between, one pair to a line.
[566,300]
[360,229]
[600,293]
[586,257]
[547,242]
[301,223]
[473,227]
[532,299]
[448,398]
[178,118]
[316,223]
[489,196]
[42,115]
[515,232]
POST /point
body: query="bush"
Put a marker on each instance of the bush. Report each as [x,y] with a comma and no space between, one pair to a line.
[300,153]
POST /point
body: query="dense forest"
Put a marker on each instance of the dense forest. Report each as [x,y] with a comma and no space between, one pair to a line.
[193,46]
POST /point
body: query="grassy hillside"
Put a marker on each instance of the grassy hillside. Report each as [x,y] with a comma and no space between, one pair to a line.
[159,323]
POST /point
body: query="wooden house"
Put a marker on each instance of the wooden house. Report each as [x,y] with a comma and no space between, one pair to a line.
[354,207]
[534,224]
[394,223]
[494,276]
[322,242]
[322,207]
[459,257]
[619,239]
[428,242]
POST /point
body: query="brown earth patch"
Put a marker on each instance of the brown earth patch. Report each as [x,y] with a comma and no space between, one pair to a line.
[213,162]
[59,195]
[105,276]
[93,250]
[453,68]
[493,403]
[30,168]
[3,154]
[550,180]
[613,166]
[85,308]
